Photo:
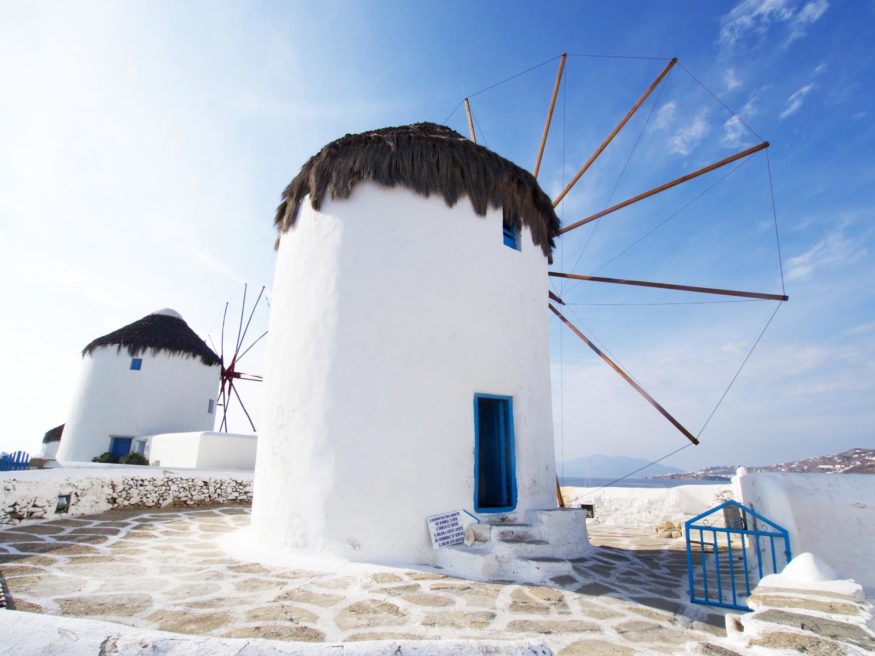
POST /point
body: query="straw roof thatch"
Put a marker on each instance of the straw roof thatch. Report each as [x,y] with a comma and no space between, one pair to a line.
[53,435]
[428,159]
[157,333]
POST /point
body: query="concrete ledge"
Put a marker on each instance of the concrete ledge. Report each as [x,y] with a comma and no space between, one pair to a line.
[31,634]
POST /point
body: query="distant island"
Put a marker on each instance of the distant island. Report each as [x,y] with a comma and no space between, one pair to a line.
[854,461]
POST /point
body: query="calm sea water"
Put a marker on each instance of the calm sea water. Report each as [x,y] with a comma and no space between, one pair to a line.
[634,482]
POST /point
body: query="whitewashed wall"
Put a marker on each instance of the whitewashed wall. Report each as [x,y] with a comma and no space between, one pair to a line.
[203,450]
[170,393]
[49,450]
[390,311]
[829,515]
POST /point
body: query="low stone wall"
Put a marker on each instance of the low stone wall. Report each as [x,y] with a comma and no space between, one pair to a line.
[34,495]
[829,515]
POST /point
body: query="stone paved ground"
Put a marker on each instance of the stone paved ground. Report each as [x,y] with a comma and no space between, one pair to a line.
[165,570]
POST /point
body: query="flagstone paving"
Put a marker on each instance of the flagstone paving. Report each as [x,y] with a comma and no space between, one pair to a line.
[166,570]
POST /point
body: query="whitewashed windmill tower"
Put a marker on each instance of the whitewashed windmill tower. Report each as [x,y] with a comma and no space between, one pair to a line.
[152,376]
[408,360]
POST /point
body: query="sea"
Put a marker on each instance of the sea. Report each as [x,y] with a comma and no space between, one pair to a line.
[576,481]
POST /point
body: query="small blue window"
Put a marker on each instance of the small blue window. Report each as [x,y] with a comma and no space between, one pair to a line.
[136,364]
[211,405]
[511,234]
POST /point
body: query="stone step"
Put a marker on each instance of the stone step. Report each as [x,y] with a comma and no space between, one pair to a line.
[516,532]
[522,548]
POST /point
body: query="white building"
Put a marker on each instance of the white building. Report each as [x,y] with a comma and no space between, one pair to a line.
[408,361]
[152,376]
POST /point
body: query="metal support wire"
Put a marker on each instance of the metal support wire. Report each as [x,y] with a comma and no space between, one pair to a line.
[707,421]
[498,84]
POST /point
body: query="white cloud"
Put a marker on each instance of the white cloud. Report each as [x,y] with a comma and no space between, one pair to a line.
[833,250]
[805,17]
[794,102]
[734,133]
[215,265]
[753,19]
[686,139]
[730,79]
[751,16]
[665,116]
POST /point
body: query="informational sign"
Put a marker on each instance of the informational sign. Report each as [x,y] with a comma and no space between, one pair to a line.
[448,529]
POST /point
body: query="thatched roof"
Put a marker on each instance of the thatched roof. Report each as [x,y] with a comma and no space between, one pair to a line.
[428,159]
[53,435]
[163,331]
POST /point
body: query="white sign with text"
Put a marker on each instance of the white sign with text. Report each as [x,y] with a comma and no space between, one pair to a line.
[448,529]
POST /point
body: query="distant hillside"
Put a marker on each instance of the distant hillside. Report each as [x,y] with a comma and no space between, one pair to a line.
[855,461]
[600,466]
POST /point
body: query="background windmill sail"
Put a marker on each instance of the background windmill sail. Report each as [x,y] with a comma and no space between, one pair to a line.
[230,374]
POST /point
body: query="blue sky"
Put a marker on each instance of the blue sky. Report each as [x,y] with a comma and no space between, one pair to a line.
[144,147]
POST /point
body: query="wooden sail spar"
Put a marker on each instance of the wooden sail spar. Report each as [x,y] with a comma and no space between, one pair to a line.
[667,185]
[549,115]
[470,121]
[665,285]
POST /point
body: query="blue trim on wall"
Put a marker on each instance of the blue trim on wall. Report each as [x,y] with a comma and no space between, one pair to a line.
[511,237]
[510,448]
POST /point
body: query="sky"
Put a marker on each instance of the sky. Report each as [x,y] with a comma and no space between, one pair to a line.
[144,146]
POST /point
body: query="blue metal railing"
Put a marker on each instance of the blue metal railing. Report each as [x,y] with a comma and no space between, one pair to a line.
[710,567]
[14,461]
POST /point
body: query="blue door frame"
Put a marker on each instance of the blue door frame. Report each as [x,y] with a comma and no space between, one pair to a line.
[120,446]
[495,487]
[754,531]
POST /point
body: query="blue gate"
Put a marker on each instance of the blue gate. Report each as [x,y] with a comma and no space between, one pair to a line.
[726,568]
[14,461]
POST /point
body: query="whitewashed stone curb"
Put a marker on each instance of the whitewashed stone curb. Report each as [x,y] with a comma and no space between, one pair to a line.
[30,634]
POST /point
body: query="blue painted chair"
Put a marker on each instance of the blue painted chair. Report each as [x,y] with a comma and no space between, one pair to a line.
[15,461]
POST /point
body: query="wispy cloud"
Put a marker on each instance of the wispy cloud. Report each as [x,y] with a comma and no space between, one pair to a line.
[665,116]
[730,79]
[687,138]
[753,19]
[794,102]
[833,250]
[734,133]
[805,17]
[215,265]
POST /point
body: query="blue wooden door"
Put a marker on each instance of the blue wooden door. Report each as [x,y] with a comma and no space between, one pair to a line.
[494,475]
[120,446]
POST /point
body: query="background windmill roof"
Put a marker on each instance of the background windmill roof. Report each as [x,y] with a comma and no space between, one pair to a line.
[162,331]
[53,434]
[428,159]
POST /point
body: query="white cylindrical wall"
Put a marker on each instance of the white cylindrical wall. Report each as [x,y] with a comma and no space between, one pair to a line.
[49,450]
[390,311]
[170,393]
